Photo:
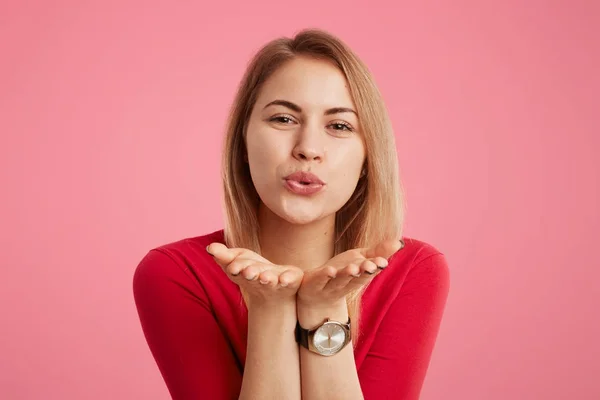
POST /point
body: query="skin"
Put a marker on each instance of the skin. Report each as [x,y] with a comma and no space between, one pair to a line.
[297,278]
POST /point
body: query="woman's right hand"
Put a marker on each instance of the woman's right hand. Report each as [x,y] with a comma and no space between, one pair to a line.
[263,281]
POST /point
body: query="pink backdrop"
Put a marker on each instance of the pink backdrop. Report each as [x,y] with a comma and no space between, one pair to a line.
[112,113]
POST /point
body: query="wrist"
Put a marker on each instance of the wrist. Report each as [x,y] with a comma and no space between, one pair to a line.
[262,307]
[313,314]
[268,303]
[271,315]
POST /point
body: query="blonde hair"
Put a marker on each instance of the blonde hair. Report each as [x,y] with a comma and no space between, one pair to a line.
[375,211]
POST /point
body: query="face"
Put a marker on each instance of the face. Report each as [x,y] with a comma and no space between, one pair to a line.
[304,120]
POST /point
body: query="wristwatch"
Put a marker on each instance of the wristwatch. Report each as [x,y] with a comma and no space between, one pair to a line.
[327,339]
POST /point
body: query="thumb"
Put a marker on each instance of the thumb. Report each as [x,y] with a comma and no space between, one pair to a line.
[385,248]
[222,254]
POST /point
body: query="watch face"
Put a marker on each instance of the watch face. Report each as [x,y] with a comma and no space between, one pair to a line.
[329,338]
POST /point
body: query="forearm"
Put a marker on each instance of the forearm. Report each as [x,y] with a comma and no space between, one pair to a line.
[272,362]
[333,377]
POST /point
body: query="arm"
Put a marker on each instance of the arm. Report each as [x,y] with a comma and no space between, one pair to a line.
[398,360]
[272,363]
[332,377]
[399,356]
[190,349]
[323,295]
[188,346]
[272,368]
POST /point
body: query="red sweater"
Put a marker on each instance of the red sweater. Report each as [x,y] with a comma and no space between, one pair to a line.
[195,321]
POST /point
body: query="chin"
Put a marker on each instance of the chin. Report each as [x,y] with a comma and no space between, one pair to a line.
[299,218]
[303,220]
[300,211]
[299,214]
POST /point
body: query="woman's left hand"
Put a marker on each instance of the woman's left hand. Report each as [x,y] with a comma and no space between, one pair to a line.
[329,284]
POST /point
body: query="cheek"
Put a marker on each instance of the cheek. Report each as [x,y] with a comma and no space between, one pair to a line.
[262,143]
[345,175]
[347,163]
[265,156]
[253,144]
[345,183]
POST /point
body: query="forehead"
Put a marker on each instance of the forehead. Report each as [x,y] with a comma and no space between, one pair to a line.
[307,82]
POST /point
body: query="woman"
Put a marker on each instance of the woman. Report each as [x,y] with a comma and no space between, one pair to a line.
[310,291]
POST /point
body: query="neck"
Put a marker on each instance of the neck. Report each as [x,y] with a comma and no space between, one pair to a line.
[305,246]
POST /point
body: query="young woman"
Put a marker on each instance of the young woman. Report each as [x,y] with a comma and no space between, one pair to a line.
[310,291]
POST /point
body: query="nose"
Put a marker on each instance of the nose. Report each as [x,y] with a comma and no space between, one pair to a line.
[309,144]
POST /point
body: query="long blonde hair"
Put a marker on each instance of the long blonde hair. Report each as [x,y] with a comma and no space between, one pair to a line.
[375,211]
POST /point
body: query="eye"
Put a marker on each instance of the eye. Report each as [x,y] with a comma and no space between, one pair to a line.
[282,119]
[342,126]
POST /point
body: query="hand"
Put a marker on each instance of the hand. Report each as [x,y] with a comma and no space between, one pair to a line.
[262,280]
[329,284]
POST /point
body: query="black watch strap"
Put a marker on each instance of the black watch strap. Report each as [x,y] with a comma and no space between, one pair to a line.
[301,336]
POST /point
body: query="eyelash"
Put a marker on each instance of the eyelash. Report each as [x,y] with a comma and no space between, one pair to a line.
[347,126]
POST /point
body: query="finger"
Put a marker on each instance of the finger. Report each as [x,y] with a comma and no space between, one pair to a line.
[291,278]
[360,283]
[234,270]
[238,265]
[344,276]
[379,262]
[268,278]
[385,249]
[369,267]
[371,271]
[252,271]
[222,254]
[320,278]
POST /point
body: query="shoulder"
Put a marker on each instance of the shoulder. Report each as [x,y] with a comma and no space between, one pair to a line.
[417,255]
[427,266]
[419,266]
[422,263]
[184,261]
[190,249]
[408,296]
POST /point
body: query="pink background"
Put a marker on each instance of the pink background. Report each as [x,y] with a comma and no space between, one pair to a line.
[112,114]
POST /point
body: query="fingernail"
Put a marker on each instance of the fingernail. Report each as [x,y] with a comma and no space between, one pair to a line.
[251,278]
[283,284]
[357,275]
[263,282]
[209,251]
[382,267]
[235,274]
[402,244]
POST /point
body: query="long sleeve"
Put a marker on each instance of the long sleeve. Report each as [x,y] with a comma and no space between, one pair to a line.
[398,359]
[187,343]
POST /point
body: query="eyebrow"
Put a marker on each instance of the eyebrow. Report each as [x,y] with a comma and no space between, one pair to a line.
[296,108]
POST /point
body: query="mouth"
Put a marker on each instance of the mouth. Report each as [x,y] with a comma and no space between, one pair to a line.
[304,183]
[304,178]
[303,189]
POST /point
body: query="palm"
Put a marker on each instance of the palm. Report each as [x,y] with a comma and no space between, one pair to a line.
[345,272]
[263,280]
[383,250]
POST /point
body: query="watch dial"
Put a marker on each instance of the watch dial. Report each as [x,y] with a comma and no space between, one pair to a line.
[329,338]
